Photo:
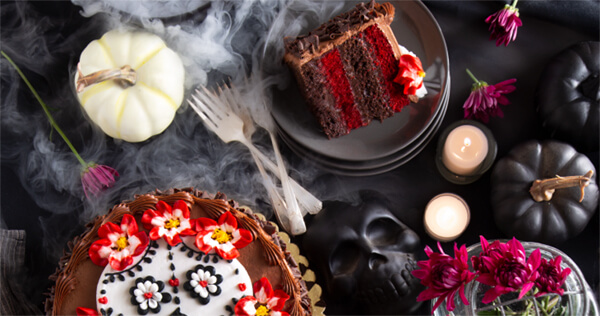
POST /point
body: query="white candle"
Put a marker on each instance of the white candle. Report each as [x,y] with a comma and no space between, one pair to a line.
[446,217]
[464,150]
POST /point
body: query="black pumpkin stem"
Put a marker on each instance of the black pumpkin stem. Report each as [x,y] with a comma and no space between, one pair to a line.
[542,190]
[124,76]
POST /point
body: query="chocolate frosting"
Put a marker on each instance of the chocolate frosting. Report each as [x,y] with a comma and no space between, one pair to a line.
[336,27]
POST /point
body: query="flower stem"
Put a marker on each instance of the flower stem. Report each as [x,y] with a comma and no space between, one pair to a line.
[50,118]
[472,76]
[514,4]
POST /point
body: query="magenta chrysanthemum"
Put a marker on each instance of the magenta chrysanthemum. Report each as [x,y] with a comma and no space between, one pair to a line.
[504,24]
[485,100]
[444,276]
[551,277]
[514,271]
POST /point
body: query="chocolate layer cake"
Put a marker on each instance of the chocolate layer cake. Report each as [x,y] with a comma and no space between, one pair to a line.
[346,68]
[130,262]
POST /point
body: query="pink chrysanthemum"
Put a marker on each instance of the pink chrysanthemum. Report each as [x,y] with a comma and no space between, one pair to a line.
[95,178]
[551,276]
[444,276]
[504,24]
[484,99]
[513,272]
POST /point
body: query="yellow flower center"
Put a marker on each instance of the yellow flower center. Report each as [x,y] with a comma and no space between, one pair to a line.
[421,74]
[171,223]
[262,310]
[122,243]
[221,236]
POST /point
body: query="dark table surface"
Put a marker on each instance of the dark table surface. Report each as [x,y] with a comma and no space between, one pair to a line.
[40,188]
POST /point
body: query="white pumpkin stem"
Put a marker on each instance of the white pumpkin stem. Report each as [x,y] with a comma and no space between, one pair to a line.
[125,76]
[542,190]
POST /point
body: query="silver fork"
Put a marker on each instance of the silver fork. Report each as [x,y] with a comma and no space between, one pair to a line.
[229,127]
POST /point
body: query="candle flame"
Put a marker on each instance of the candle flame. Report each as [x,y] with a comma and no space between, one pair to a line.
[466,144]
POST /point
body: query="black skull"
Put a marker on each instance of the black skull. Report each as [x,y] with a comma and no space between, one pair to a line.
[366,256]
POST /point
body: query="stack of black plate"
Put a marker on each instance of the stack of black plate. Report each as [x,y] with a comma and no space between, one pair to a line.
[380,146]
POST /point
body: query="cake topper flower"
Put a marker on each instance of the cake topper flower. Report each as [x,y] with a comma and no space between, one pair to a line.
[410,73]
[265,302]
[444,276]
[222,236]
[94,177]
[504,24]
[118,244]
[168,222]
[503,266]
[484,99]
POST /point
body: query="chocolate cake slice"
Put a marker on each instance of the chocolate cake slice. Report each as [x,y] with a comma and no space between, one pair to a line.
[346,68]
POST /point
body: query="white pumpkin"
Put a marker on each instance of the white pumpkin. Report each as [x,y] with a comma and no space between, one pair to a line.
[132,112]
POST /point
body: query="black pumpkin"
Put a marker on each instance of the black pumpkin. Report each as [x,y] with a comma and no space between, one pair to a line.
[568,96]
[517,213]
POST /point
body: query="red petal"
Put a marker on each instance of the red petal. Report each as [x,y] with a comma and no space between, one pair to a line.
[147,218]
[144,241]
[93,252]
[173,241]
[154,233]
[262,290]
[204,224]
[245,238]
[277,301]
[180,204]
[162,207]
[129,225]
[107,229]
[84,311]
[232,254]
[228,219]
[246,302]
[199,242]
[120,265]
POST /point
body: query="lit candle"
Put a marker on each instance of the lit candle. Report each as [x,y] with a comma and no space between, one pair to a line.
[446,217]
[465,149]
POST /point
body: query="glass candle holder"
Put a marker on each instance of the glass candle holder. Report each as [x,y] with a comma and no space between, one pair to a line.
[466,150]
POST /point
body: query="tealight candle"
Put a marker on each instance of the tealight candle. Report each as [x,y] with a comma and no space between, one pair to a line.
[465,149]
[446,217]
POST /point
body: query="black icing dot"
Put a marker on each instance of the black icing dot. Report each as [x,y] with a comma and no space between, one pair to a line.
[152,252]
[170,256]
[175,290]
[190,254]
[176,300]
[148,260]
[169,247]
[102,291]
[215,259]
[131,273]
[236,271]
[139,268]
[111,278]
[105,282]
[183,248]
[121,277]
[172,267]
[206,259]
[199,257]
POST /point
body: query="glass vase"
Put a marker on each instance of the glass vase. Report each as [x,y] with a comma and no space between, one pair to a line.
[578,298]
